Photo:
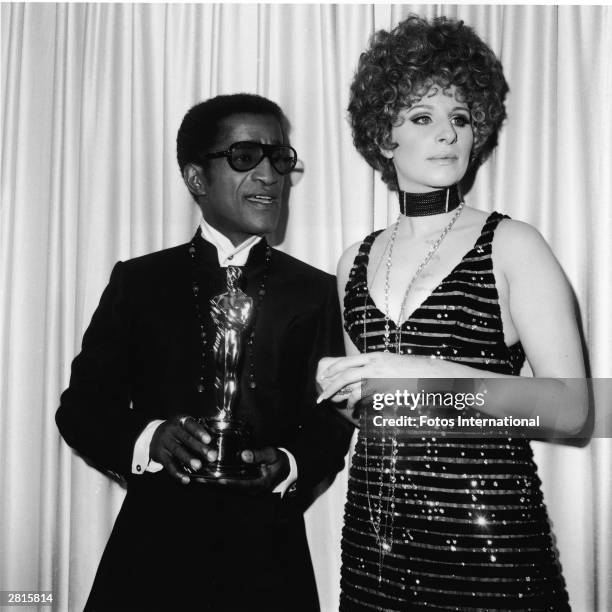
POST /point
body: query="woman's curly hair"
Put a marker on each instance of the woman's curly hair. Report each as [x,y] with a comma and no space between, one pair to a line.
[400,67]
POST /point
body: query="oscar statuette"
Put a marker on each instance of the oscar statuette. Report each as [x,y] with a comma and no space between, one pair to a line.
[231,314]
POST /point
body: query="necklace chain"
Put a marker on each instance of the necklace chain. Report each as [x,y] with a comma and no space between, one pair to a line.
[432,250]
[195,287]
[383,522]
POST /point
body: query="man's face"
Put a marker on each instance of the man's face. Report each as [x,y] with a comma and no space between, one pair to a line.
[241,204]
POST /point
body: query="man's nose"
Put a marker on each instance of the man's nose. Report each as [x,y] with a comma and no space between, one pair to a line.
[265,172]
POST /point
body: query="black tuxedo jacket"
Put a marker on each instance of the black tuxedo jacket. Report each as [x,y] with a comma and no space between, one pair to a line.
[202,546]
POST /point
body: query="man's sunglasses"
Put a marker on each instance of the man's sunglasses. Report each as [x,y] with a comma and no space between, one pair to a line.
[244,156]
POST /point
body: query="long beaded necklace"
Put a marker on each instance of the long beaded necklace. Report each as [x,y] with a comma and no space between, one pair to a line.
[432,250]
[383,526]
[195,287]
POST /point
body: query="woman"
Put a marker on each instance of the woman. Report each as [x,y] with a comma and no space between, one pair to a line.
[448,292]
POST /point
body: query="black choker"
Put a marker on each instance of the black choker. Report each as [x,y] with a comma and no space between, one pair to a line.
[429,203]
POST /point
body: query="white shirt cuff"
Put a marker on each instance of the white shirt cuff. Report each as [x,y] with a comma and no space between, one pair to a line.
[282,487]
[141,462]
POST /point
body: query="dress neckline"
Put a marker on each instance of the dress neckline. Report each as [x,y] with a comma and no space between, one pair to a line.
[366,262]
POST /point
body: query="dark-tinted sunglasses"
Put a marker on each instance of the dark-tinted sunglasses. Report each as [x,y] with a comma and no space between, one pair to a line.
[244,156]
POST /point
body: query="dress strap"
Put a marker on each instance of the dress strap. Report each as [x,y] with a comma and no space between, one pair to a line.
[488,229]
[359,271]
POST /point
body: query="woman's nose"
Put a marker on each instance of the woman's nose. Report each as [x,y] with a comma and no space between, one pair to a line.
[447,133]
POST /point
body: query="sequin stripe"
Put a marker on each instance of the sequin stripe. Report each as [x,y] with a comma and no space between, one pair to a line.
[428,604]
[441,316]
[366,605]
[475,328]
[475,297]
[463,309]
[416,585]
[424,503]
[507,444]
[459,471]
[527,568]
[448,538]
[438,459]
[445,549]
[462,480]
[472,455]
[490,522]
[459,509]
[387,583]
[420,572]
[479,257]
[507,447]
[505,497]
[487,478]
[472,450]
[476,284]
[484,260]
[436,475]
[506,536]
[472,289]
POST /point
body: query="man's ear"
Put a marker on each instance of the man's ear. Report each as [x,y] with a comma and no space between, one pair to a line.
[193,176]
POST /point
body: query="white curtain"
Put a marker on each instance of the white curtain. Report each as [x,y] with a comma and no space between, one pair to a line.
[92,96]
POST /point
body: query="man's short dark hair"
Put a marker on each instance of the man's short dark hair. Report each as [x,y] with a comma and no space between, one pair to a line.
[200,127]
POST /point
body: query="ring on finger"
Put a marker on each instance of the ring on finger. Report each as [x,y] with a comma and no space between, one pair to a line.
[346,390]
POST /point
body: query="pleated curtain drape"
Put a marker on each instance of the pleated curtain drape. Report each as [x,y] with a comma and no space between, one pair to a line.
[92,97]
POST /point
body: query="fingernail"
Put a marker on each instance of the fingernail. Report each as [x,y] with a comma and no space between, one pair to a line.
[320,398]
[195,464]
[184,480]
[211,456]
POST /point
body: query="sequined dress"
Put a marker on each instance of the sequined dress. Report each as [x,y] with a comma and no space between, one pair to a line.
[470,529]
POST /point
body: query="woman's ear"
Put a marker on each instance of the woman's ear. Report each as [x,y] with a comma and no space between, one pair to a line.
[388,153]
[193,176]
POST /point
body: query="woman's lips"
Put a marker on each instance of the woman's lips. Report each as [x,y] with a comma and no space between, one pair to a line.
[444,159]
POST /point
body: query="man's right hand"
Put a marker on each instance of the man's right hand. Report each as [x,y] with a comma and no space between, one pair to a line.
[181,443]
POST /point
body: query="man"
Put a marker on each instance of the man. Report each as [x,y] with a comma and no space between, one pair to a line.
[146,374]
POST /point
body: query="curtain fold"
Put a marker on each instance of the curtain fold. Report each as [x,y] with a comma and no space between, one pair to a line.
[92,97]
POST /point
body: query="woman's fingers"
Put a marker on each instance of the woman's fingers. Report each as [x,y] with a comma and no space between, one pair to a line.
[341,364]
[344,381]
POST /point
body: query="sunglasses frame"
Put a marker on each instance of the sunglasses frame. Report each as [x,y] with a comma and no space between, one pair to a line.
[266,151]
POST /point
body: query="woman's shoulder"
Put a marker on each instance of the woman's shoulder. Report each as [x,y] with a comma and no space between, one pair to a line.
[519,246]
[517,234]
[347,259]
[508,232]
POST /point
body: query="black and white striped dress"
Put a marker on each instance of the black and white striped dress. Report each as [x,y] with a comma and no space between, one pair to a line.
[470,529]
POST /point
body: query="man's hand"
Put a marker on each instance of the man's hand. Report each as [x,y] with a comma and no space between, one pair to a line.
[181,443]
[273,467]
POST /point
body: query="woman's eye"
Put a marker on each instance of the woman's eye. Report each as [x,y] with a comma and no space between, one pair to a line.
[461,121]
[421,119]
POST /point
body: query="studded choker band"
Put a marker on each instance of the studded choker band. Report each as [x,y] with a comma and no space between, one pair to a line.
[430,203]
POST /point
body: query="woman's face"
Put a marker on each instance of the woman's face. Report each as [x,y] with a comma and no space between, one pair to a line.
[434,142]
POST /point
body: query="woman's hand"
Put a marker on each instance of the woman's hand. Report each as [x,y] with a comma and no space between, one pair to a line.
[341,378]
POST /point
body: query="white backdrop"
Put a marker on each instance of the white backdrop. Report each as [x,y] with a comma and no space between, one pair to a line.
[92,97]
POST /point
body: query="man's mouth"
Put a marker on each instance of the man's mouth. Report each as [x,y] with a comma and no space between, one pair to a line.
[261,198]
